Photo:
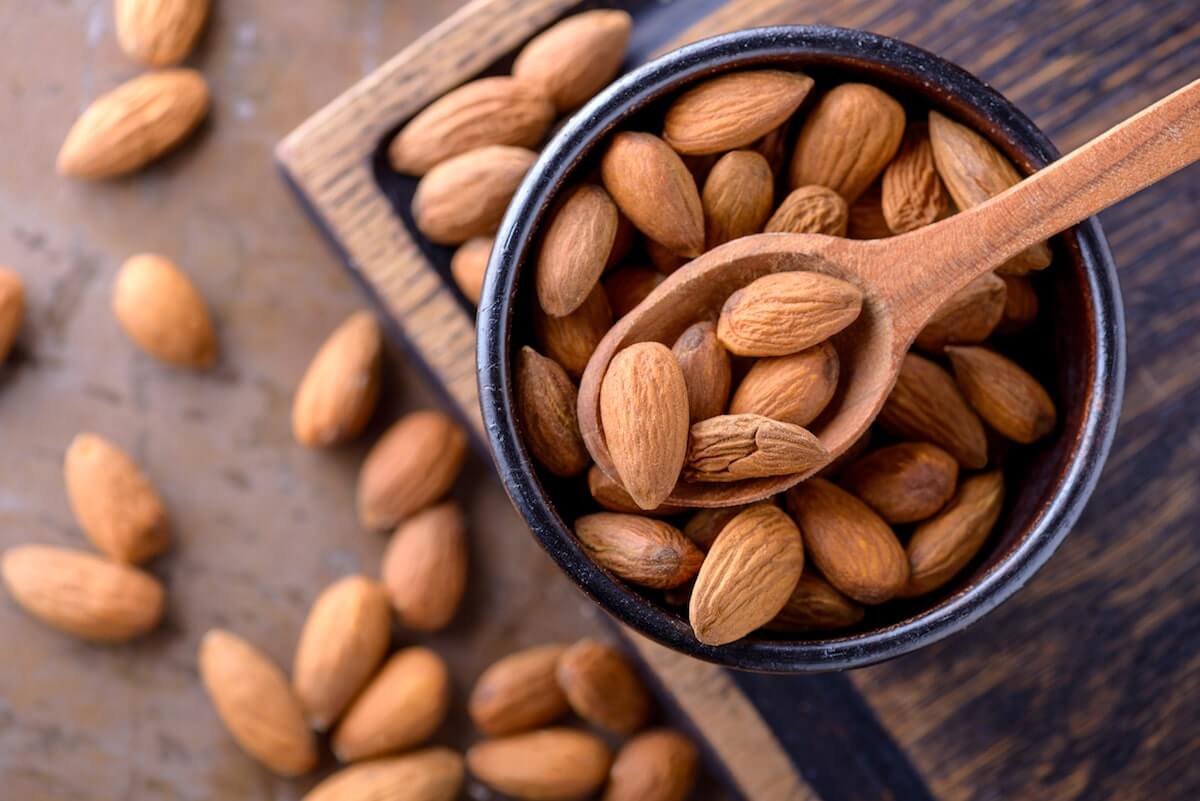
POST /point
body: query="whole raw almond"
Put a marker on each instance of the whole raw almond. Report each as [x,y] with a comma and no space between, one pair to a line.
[733,110]
[970,315]
[944,545]
[747,576]
[1007,397]
[664,260]
[338,392]
[602,687]
[644,414]
[654,189]
[792,389]
[434,774]
[490,111]
[12,310]
[519,692]
[83,595]
[866,220]
[573,60]
[647,552]
[810,210]
[555,764]
[1020,304]
[783,313]
[113,501]
[468,265]
[815,605]
[974,171]
[130,126]
[161,311]
[707,370]
[626,287]
[613,497]
[466,195]
[905,482]
[546,403]
[733,447]
[913,195]
[926,405]
[657,765]
[847,140]
[851,545]
[343,640]
[255,702]
[425,567]
[570,340]
[575,249]
[412,465]
[159,33]
[737,197]
[401,708]
[704,525]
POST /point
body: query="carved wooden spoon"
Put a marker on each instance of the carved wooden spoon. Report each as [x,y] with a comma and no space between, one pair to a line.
[904,279]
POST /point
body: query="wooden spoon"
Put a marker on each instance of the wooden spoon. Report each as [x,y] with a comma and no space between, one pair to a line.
[904,279]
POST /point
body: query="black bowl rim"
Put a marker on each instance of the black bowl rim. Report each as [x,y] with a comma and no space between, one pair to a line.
[634,91]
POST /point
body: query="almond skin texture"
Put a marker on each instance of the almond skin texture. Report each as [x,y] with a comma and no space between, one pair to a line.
[926,405]
[556,764]
[574,59]
[401,708]
[162,313]
[159,33]
[943,545]
[575,249]
[905,482]
[602,688]
[810,210]
[640,550]
[1020,304]
[737,198]
[12,310]
[343,640]
[490,111]
[255,702]
[703,527]
[732,447]
[83,595]
[570,340]
[783,313]
[748,575]
[412,465]
[546,401]
[658,765]
[468,266]
[628,286]
[707,370]
[792,389]
[425,567]
[851,545]
[847,140]
[113,501]
[644,412]
[913,195]
[732,111]
[654,189]
[969,316]
[434,774]
[130,126]
[816,606]
[340,388]
[466,195]
[613,497]
[519,692]
[1007,397]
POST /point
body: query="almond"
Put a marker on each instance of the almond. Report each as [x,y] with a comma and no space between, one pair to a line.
[161,311]
[159,33]
[130,126]
[466,195]
[570,340]
[434,774]
[856,449]
[519,692]
[866,220]
[602,687]
[344,638]
[707,370]
[748,575]
[255,702]
[646,552]
[12,310]
[815,605]
[574,59]
[847,140]
[654,189]
[970,315]
[628,286]
[851,545]
[490,111]
[468,266]
[622,242]
[792,389]
[401,708]
[944,545]
[913,195]
[113,501]
[905,482]
[1007,397]
[926,405]
[575,249]
[658,765]
[974,171]
[733,110]
[83,595]
[1020,304]
[737,198]
[733,447]
[425,567]
[412,465]
[554,764]
[338,392]
[644,414]
[810,210]
[783,313]
[663,259]
[546,404]
[703,527]
[774,148]
[613,497]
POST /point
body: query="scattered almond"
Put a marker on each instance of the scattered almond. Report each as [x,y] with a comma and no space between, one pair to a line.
[944,545]
[519,692]
[12,310]
[737,198]
[425,567]
[969,316]
[733,110]
[161,311]
[810,210]
[707,370]
[704,525]
[657,765]
[792,389]
[468,266]
[905,482]
[783,313]
[733,447]
[556,764]
[434,774]
[650,553]
[613,497]
[628,286]
[546,404]
[1007,397]
[573,60]
[913,195]
[602,687]
[654,189]
[159,33]
[926,405]
[1020,304]
[815,605]
[575,249]
[338,392]
[570,340]
[489,176]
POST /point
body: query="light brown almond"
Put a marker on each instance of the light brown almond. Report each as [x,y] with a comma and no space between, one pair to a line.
[468,266]
[570,340]
[663,259]
[1020,304]
[159,33]
[792,389]
[412,465]
[913,195]
[466,195]
[425,567]
[340,388]
[575,249]
[733,447]
[707,370]
[555,764]
[737,198]
[657,765]
[969,316]
[783,313]
[810,210]
[905,482]
[546,404]
[654,189]
[926,405]
[434,774]
[12,310]
[944,545]
[162,313]
[613,497]
[733,110]
[1004,394]
[519,692]
[602,687]
[704,525]
[866,220]
[643,551]
[626,287]
[815,605]
[573,60]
